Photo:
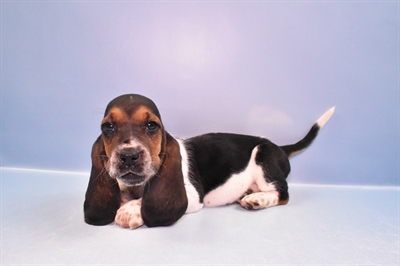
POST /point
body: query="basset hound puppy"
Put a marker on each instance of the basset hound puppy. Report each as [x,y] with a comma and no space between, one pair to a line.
[143,175]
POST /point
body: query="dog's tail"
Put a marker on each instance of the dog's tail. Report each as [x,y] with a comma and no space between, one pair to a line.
[298,147]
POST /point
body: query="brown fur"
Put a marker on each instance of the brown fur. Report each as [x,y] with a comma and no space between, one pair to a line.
[164,197]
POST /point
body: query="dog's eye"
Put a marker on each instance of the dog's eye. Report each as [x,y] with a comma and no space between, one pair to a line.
[108,127]
[151,126]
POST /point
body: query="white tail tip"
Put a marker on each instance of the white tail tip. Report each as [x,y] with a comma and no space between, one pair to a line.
[325,117]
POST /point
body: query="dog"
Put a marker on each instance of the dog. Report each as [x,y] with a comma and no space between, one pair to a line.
[143,175]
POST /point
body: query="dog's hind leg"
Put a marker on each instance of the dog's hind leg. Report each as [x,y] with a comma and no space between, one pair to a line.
[270,187]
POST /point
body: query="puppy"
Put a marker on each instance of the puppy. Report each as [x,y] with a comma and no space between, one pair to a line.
[143,175]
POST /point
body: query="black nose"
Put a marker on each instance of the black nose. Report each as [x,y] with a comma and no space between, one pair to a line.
[129,156]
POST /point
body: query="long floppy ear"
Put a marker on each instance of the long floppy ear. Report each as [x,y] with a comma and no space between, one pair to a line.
[164,199]
[103,195]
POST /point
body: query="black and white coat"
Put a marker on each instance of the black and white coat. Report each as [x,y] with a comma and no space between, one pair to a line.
[143,175]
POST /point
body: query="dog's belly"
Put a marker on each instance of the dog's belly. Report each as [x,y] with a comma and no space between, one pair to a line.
[236,185]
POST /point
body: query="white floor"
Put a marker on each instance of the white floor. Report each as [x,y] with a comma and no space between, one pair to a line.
[42,224]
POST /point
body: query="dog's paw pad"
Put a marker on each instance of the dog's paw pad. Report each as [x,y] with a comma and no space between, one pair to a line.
[129,215]
[250,204]
[259,200]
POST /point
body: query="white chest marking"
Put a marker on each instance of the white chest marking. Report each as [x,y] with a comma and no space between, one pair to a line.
[125,195]
[194,204]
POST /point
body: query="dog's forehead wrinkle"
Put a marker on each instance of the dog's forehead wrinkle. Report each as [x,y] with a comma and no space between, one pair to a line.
[144,115]
[121,111]
[115,115]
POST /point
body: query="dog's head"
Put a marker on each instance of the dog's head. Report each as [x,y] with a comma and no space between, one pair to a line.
[134,139]
[135,150]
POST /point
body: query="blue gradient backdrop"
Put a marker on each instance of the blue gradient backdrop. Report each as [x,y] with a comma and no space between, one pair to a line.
[262,68]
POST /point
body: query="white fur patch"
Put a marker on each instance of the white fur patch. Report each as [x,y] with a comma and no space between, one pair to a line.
[260,200]
[325,117]
[237,184]
[193,197]
[125,195]
[129,215]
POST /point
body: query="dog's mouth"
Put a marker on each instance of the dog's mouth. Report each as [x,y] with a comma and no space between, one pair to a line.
[131,179]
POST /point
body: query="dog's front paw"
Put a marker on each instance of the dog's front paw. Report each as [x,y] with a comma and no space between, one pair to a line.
[259,200]
[129,215]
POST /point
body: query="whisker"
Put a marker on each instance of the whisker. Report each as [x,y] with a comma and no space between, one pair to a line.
[100,155]
[161,154]
[100,174]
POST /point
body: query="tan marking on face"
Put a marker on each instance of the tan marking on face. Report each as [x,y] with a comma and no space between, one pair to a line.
[131,132]
[143,116]
[116,116]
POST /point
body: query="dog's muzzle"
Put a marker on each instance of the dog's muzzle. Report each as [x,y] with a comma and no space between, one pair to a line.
[131,165]
[132,179]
